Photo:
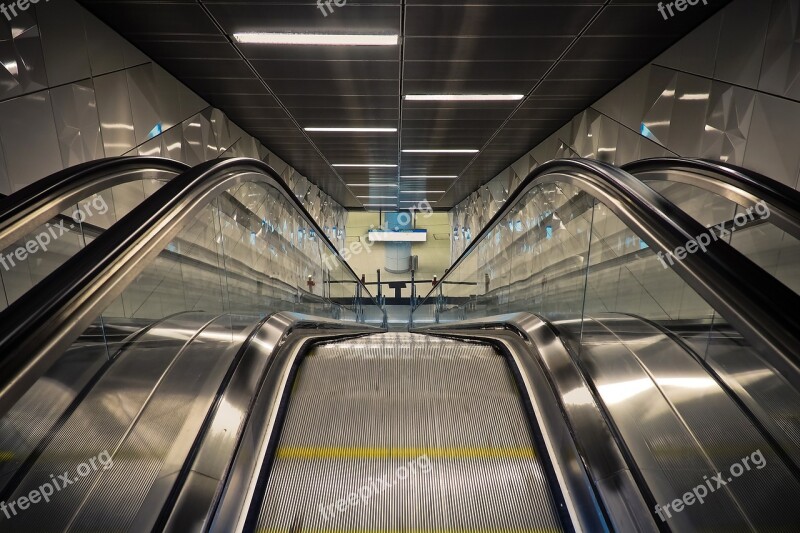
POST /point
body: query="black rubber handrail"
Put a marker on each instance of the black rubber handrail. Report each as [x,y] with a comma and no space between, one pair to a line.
[778,196]
[35,204]
[760,307]
[45,321]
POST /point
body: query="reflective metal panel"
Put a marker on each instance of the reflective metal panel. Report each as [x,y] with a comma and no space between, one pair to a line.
[22,67]
[114,108]
[64,42]
[77,123]
[27,127]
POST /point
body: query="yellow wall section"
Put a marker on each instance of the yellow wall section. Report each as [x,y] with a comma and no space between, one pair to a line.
[434,255]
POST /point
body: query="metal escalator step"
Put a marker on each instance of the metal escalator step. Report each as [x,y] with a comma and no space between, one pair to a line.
[403,432]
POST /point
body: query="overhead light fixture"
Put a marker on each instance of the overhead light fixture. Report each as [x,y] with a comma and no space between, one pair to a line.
[393,185]
[465,97]
[324,39]
[378,197]
[430,177]
[360,165]
[442,151]
[422,192]
[417,201]
[352,130]
[380,205]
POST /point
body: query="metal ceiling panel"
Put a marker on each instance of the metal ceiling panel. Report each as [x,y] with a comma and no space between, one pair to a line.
[561,56]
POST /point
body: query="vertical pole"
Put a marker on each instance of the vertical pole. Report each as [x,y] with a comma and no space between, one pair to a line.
[411,301]
[382,300]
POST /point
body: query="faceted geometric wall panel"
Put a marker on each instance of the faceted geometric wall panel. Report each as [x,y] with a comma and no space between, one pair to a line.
[780,73]
[773,139]
[688,115]
[145,104]
[116,118]
[106,98]
[5,187]
[66,57]
[741,42]
[77,123]
[660,100]
[21,61]
[730,112]
[28,135]
[695,53]
[104,45]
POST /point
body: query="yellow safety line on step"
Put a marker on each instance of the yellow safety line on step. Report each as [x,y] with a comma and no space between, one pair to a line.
[404,453]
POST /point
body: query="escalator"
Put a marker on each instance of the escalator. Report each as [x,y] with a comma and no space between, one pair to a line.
[404,422]
[246,401]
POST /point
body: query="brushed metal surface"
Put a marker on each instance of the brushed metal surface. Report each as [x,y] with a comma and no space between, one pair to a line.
[101,423]
[619,485]
[680,426]
[367,408]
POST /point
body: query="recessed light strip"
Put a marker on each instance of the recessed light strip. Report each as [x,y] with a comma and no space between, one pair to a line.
[360,165]
[464,97]
[429,177]
[316,39]
[352,130]
[392,185]
[442,151]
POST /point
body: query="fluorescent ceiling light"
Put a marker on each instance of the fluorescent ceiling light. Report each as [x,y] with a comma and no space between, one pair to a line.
[422,192]
[316,39]
[465,97]
[380,205]
[359,165]
[417,201]
[430,177]
[378,197]
[353,130]
[442,151]
[372,185]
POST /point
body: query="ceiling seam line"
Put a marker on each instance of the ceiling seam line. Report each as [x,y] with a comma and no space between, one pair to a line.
[402,66]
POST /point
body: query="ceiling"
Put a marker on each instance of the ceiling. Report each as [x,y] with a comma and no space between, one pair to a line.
[562,55]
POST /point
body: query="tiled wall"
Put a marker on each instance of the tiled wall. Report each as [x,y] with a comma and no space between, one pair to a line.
[730,91]
[73,90]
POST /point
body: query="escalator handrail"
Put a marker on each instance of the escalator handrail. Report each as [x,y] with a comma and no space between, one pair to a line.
[45,198]
[43,322]
[759,306]
[731,179]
